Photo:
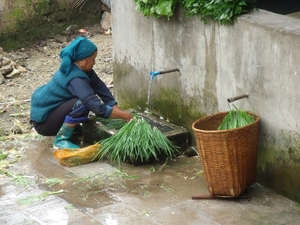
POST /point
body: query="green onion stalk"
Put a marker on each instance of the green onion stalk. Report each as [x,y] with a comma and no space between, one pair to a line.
[136,141]
[236,118]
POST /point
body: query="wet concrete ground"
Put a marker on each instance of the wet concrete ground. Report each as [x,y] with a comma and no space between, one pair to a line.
[100,193]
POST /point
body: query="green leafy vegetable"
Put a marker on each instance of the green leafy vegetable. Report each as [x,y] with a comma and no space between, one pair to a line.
[109,124]
[3,156]
[136,141]
[156,8]
[34,198]
[236,118]
[223,11]
[53,181]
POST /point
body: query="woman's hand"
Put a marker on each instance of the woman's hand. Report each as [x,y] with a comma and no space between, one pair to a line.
[117,113]
[128,117]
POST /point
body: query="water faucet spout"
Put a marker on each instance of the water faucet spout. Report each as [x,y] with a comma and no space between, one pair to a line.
[155,73]
[232,99]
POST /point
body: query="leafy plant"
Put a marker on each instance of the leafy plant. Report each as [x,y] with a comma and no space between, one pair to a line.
[236,118]
[110,124]
[136,141]
[156,8]
[18,179]
[34,198]
[223,11]
[3,156]
[53,181]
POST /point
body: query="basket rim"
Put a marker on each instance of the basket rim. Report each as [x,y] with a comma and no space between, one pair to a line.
[223,131]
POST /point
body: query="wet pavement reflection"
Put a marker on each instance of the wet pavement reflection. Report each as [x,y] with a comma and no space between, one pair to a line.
[103,193]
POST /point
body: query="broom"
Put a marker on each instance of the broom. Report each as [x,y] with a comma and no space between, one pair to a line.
[77,3]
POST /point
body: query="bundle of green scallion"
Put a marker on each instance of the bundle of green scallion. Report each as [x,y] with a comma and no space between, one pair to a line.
[135,142]
[236,118]
[110,124]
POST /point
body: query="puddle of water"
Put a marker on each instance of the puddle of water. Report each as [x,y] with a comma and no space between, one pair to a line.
[94,188]
[89,189]
[15,210]
[157,193]
[110,220]
[82,190]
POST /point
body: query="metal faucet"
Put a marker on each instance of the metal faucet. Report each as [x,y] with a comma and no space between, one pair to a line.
[155,73]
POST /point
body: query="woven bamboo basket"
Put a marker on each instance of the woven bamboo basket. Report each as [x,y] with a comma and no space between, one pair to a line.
[228,157]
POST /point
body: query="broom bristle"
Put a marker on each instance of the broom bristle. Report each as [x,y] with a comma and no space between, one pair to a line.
[77,3]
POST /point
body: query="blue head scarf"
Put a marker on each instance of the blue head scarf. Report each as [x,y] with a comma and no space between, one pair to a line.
[80,48]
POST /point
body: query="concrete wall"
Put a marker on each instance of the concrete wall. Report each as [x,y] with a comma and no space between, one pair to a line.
[258,55]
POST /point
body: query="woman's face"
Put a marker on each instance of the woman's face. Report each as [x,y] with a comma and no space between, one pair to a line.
[88,63]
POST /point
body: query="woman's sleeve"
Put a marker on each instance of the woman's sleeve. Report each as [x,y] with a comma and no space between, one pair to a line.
[81,88]
[101,89]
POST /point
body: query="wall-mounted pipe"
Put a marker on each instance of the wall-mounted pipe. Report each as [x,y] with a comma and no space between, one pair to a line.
[155,73]
[232,99]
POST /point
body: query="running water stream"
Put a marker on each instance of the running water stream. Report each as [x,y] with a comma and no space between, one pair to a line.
[152,75]
[147,110]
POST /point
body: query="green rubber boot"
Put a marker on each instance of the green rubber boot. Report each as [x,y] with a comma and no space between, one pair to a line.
[62,138]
